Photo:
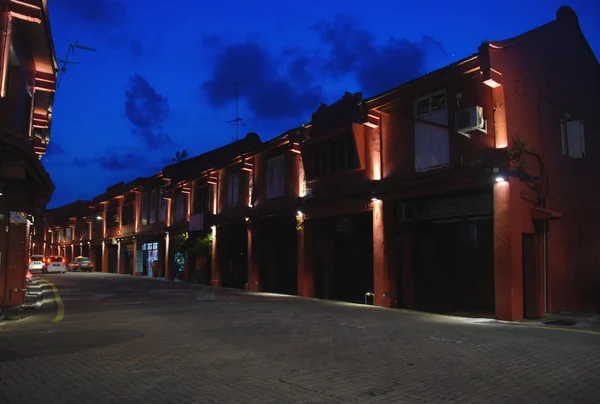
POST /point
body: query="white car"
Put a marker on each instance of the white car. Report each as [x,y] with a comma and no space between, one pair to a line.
[55,264]
[36,263]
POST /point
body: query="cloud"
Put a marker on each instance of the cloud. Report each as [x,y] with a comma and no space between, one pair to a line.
[286,84]
[269,89]
[376,67]
[107,19]
[147,110]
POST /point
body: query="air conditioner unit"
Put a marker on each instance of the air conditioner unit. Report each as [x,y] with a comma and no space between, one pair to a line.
[470,120]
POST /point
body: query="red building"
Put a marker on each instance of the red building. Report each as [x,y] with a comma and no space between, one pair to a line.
[28,72]
[464,190]
[201,189]
[255,222]
[473,177]
[64,231]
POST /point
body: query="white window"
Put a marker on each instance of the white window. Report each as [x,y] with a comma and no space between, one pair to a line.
[275,177]
[153,200]
[162,209]
[573,139]
[432,148]
[233,189]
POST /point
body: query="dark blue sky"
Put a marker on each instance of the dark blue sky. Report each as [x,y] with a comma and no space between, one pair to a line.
[162,77]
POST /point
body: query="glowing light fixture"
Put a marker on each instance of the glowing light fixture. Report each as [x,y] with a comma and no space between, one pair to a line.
[500,179]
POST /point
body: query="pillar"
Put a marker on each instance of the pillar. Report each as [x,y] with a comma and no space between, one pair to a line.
[508,279]
[121,262]
[135,257]
[166,267]
[216,269]
[104,257]
[384,268]
[306,257]
[255,283]
[92,252]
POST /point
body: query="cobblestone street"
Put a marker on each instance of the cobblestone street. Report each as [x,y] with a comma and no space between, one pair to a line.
[129,340]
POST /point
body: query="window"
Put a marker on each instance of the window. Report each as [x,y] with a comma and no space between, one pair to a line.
[332,155]
[202,199]
[233,189]
[68,233]
[153,200]
[112,217]
[573,141]
[432,148]
[144,217]
[180,206]
[275,177]
[162,209]
[128,214]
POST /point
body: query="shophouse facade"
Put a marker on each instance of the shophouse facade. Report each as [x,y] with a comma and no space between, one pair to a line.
[28,72]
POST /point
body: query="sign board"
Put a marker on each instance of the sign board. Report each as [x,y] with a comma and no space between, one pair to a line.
[18,218]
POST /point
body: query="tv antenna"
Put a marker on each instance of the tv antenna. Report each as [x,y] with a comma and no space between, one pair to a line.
[237,121]
[65,62]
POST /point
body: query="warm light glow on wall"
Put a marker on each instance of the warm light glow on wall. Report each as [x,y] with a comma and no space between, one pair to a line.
[301,179]
[500,129]
[213,229]
[6,54]
[376,167]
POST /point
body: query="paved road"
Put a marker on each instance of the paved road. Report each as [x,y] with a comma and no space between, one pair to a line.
[130,340]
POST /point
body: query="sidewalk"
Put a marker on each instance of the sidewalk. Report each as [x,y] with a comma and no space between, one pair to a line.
[35,298]
[587,319]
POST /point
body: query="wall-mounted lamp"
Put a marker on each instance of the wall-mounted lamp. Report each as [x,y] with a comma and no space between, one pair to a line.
[500,179]
[247,218]
[98,217]
[375,200]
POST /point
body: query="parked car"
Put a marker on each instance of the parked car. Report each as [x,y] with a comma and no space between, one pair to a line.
[81,264]
[55,264]
[36,263]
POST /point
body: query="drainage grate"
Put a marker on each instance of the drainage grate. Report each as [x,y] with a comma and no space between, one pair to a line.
[561,322]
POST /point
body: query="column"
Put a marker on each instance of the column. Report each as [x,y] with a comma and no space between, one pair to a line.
[508,264]
[166,269]
[255,283]
[104,257]
[215,258]
[306,258]
[384,263]
[404,246]
[121,251]
[135,257]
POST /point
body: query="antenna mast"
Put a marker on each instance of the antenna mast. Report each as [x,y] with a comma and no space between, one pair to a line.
[65,62]
[237,121]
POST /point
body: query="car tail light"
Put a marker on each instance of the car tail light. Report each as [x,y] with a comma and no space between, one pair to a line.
[48,261]
[29,259]
[64,260]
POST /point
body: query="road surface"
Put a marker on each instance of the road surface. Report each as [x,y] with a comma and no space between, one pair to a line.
[119,339]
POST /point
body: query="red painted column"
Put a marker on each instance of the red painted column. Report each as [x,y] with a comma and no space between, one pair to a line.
[306,233]
[508,282]
[216,269]
[255,283]
[384,259]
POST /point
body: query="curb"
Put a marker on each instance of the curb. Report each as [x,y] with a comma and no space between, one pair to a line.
[35,297]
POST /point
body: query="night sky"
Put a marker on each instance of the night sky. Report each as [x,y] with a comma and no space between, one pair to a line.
[162,77]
